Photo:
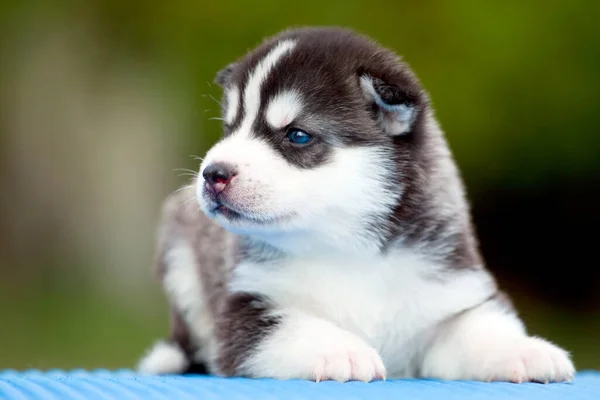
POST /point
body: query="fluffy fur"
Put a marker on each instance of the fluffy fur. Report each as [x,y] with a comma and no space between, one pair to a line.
[163,358]
[350,257]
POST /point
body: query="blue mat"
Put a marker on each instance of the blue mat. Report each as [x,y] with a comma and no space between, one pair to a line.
[126,385]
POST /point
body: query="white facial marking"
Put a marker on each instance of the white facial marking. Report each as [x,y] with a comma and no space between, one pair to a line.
[396,119]
[268,187]
[259,75]
[233,104]
[283,109]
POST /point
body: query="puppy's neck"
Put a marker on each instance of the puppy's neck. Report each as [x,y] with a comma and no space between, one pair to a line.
[310,243]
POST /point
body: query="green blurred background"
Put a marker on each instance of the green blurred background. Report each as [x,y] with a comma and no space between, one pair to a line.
[102,100]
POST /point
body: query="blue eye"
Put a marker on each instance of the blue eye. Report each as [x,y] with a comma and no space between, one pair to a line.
[298,137]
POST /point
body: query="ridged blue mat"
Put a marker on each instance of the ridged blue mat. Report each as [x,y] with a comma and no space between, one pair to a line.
[126,385]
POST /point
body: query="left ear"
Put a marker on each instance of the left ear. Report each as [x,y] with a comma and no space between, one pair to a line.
[222,78]
[396,109]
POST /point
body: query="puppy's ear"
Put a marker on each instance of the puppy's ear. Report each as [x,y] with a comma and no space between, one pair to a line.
[223,75]
[395,108]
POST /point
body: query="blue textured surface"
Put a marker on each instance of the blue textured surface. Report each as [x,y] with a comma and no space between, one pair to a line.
[126,385]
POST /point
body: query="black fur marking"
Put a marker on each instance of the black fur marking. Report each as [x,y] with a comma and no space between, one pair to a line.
[312,155]
[242,325]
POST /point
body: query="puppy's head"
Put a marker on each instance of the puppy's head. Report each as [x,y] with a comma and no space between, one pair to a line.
[319,125]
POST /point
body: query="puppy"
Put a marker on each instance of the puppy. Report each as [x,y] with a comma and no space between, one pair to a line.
[334,240]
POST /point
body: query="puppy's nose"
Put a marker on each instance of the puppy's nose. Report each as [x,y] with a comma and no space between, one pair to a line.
[217,176]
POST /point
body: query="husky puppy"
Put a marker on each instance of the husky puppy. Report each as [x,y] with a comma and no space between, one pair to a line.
[328,236]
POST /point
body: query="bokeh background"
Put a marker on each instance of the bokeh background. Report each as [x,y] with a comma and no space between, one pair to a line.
[101,101]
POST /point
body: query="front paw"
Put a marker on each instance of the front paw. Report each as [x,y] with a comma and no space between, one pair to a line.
[307,347]
[530,360]
[349,362]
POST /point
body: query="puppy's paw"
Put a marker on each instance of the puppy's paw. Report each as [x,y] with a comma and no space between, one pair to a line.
[349,362]
[163,358]
[311,348]
[530,360]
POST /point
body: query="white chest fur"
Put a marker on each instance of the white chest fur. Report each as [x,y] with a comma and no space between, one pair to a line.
[393,302]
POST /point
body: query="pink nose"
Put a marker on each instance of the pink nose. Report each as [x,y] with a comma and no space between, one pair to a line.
[215,188]
[217,176]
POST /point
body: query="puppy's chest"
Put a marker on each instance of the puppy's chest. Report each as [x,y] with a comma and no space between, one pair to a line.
[356,294]
[388,301]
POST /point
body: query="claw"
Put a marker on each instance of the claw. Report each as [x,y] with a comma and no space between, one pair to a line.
[318,377]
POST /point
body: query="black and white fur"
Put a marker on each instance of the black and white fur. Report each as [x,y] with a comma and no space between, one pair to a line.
[350,258]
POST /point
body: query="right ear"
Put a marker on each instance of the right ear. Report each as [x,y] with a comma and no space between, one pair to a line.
[224,75]
[396,108]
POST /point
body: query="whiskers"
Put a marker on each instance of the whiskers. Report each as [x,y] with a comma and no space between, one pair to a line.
[176,192]
[189,172]
[186,172]
[190,186]
[191,200]
[209,96]
[193,174]
[188,201]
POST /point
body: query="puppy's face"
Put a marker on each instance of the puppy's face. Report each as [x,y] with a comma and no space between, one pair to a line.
[313,121]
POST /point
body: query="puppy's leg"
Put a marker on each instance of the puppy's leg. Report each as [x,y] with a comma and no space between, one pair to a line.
[178,264]
[258,341]
[489,343]
[174,355]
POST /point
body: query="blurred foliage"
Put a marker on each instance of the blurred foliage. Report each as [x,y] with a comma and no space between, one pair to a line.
[514,84]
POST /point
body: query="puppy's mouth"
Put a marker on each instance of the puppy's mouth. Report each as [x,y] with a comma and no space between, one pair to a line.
[221,205]
[227,212]
[231,214]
